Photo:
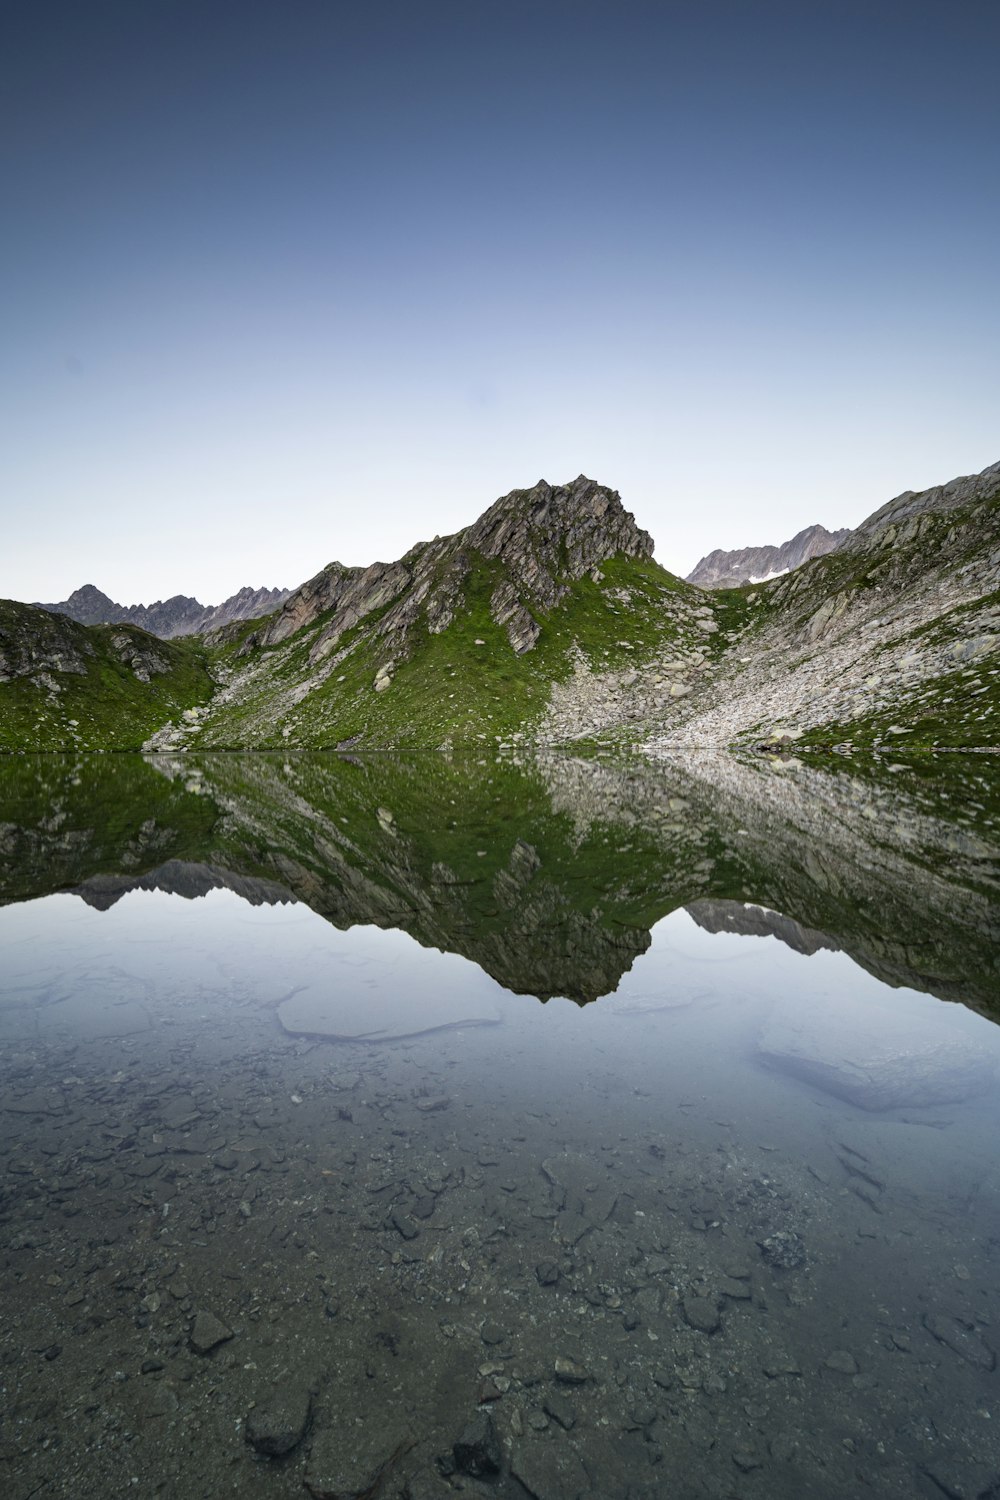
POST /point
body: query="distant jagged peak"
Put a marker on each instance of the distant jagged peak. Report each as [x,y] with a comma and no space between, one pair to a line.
[181,614]
[88,606]
[721,569]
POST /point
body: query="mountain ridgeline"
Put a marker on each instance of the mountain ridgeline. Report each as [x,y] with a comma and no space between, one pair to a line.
[723,570]
[548,621]
[167,618]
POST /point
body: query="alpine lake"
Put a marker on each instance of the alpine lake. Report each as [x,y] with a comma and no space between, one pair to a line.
[553,1126]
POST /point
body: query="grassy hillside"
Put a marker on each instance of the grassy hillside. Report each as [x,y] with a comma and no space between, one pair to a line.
[456,687]
[65,686]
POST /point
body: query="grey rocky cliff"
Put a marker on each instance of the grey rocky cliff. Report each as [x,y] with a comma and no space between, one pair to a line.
[721,569]
[33,643]
[968,489]
[179,615]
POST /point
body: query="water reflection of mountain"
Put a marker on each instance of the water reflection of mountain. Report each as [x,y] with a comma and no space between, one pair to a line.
[549,876]
[747,919]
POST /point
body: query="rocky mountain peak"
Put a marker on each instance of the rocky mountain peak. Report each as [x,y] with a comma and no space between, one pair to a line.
[534,543]
[88,606]
[567,529]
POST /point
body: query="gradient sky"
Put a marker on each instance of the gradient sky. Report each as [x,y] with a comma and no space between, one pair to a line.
[285,281]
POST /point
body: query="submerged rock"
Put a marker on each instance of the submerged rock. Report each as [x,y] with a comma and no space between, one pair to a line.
[701,1313]
[550,1470]
[353,1463]
[372,1016]
[278,1423]
[887,1061]
[962,1338]
[208,1332]
[784,1249]
[477,1451]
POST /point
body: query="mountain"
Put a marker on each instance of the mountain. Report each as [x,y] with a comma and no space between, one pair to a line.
[723,570]
[167,618]
[548,620]
[461,639]
[66,686]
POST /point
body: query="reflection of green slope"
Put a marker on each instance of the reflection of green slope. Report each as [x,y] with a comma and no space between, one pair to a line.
[64,820]
[902,871]
[467,857]
[548,877]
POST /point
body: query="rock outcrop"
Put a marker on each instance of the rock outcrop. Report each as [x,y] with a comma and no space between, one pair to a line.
[724,570]
[179,615]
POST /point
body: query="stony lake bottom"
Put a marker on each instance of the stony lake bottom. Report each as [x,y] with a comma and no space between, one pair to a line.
[404,1127]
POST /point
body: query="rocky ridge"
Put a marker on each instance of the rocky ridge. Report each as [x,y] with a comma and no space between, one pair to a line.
[548,620]
[747,565]
[178,615]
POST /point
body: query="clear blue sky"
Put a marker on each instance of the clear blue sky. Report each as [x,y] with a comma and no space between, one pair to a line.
[292,280]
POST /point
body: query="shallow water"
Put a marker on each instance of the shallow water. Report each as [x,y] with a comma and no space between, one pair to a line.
[293,1156]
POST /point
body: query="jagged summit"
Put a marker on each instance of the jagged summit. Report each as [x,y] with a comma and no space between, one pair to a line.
[179,615]
[533,543]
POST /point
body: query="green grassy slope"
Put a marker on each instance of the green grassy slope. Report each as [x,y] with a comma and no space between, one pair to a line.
[65,686]
[462,685]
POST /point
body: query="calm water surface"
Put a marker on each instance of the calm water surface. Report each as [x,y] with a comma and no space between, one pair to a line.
[305,1190]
